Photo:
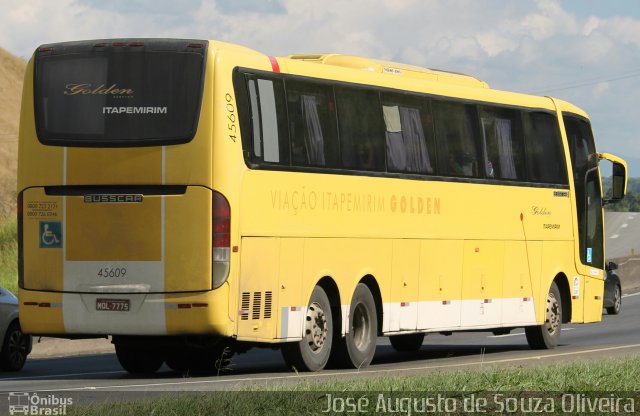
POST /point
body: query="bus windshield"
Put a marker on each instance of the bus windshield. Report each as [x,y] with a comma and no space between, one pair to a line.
[118,93]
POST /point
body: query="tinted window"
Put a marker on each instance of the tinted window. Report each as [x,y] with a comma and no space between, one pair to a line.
[502,143]
[312,124]
[591,233]
[581,146]
[361,129]
[587,189]
[456,139]
[270,136]
[408,134]
[544,154]
[118,95]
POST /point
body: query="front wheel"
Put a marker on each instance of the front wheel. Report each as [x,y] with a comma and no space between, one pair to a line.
[617,302]
[547,335]
[312,353]
[139,360]
[407,342]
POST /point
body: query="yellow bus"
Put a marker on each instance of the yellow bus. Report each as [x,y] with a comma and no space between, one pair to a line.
[192,198]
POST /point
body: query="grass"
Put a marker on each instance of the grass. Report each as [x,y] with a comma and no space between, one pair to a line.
[591,379]
[9,255]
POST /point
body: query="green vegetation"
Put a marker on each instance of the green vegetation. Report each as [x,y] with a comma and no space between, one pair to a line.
[631,202]
[591,379]
[9,255]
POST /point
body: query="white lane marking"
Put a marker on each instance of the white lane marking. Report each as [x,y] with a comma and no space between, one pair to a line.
[628,260]
[506,335]
[97,373]
[624,225]
[629,295]
[614,236]
[522,333]
[631,217]
[482,362]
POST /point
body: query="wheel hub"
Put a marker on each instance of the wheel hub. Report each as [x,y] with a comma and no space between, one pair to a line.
[316,327]
[553,319]
[361,327]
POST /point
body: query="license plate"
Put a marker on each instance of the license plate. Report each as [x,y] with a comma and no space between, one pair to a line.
[118,305]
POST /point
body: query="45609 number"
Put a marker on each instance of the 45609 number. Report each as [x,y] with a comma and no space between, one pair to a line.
[112,272]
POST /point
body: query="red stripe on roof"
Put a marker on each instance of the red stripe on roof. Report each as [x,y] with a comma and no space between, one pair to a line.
[274,64]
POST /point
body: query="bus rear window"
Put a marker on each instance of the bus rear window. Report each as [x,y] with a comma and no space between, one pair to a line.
[119,93]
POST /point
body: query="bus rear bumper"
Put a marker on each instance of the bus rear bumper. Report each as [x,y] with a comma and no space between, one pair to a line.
[148,314]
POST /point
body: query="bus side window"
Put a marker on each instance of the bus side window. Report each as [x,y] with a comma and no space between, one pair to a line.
[361,129]
[456,139]
[312,124]
[409,134]
[502,143]
[270,136]
[543,149]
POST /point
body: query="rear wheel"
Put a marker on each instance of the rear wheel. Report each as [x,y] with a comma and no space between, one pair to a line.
[139,360]
[358,347]
[617,302]
[312,353]
[547,335]
[407,342]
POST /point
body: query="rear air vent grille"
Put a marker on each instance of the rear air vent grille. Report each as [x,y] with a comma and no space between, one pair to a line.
[267,305]
[257,304]
[252,303]
[246,300]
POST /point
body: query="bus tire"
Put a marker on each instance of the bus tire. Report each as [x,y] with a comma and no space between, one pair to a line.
[407,342]
[139,360]
[194,360]
[617,301]
[357,348]
[312,353]
[547,335]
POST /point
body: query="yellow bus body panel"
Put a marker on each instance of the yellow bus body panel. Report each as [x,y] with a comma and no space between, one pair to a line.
[444,255]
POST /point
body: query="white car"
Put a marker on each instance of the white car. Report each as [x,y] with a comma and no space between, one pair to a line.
[15,345]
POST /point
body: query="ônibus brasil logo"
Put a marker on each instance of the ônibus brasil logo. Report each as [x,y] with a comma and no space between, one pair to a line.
[34,404]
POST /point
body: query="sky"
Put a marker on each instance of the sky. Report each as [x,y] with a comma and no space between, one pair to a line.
[583,51]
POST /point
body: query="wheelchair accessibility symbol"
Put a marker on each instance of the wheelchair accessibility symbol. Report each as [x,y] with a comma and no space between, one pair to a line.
[50,234]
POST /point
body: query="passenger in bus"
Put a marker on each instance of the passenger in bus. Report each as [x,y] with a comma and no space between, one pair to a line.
[366,158]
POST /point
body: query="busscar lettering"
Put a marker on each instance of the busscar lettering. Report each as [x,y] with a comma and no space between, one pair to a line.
[124,198]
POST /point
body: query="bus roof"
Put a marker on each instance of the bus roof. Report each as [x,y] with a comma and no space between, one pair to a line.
[387,67]
[440,82]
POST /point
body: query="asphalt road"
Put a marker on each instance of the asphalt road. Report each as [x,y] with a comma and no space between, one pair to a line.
[100,377]
[622,234]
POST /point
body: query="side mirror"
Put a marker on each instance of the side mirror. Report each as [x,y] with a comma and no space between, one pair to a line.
[615,177]
[619,181]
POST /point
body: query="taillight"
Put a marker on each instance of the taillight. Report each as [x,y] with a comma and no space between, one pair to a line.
[20,244]
[221,239]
